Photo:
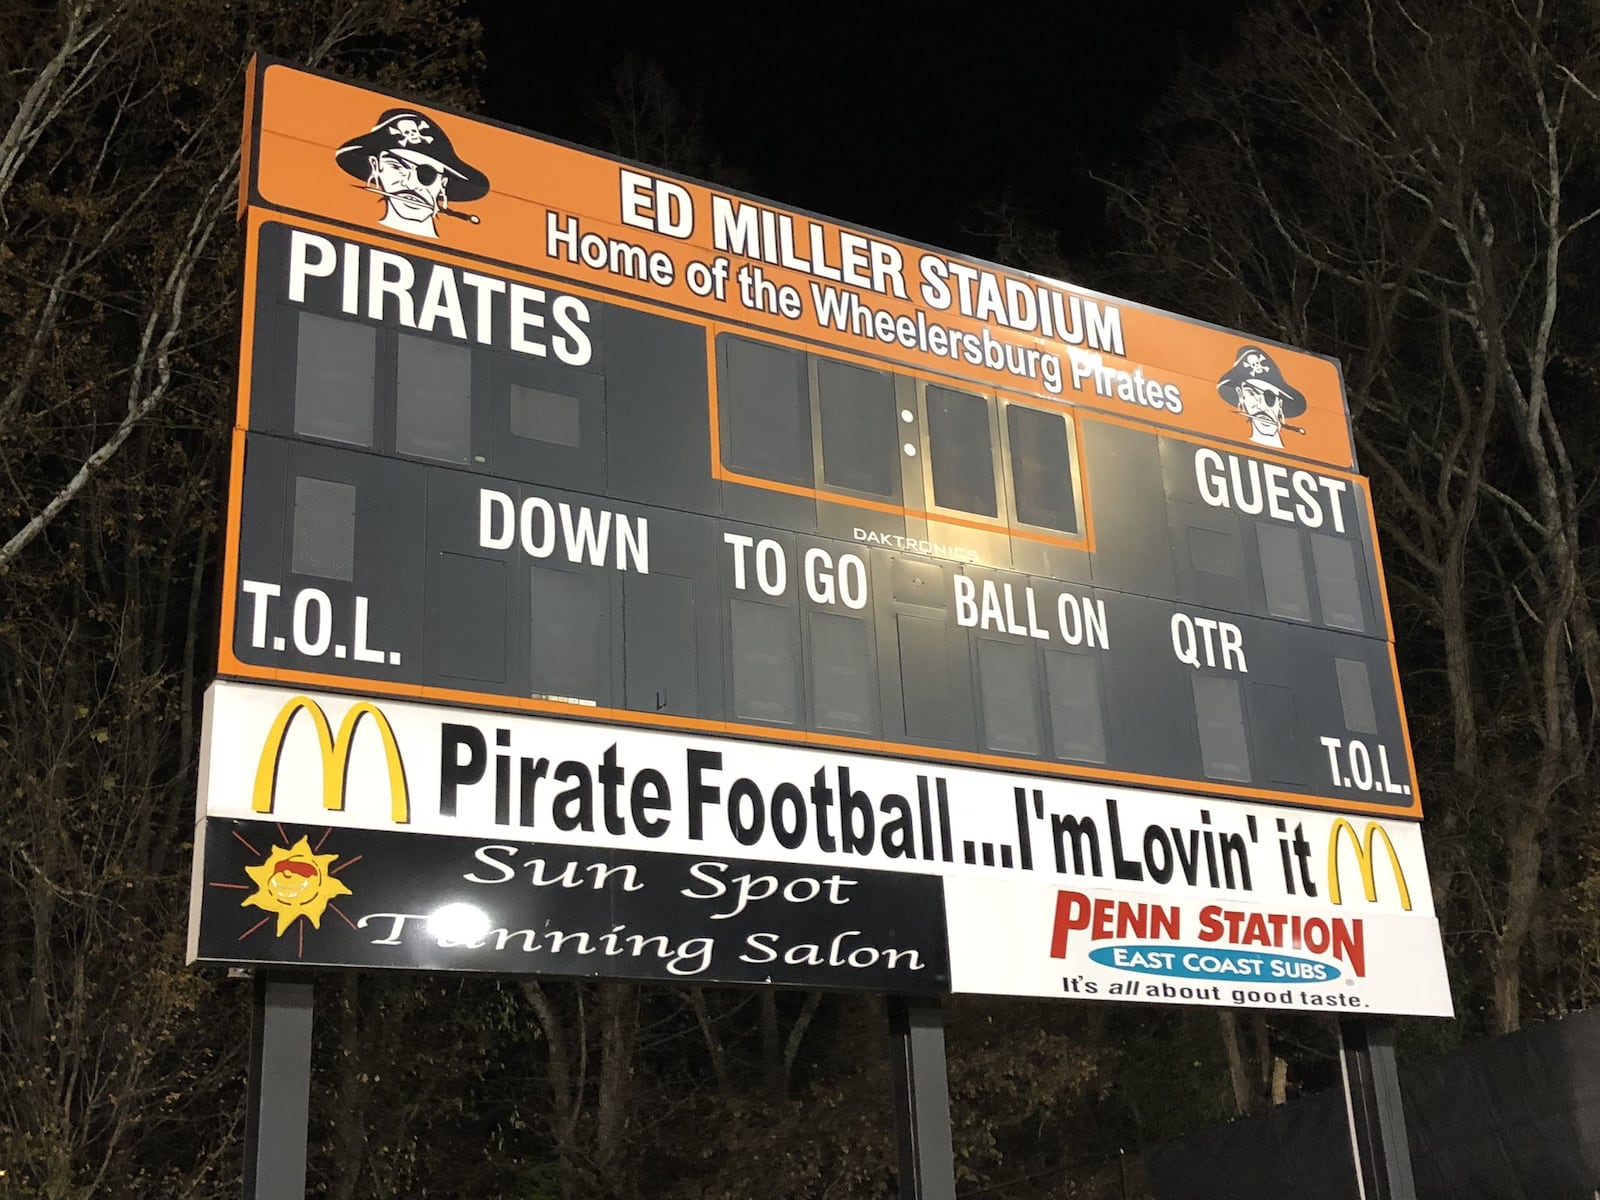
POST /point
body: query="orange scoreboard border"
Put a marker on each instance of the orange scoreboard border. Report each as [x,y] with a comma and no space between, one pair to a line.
[298,120]
[230,665]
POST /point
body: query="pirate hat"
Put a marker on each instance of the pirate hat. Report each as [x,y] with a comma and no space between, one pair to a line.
[411,135]
[1254,366]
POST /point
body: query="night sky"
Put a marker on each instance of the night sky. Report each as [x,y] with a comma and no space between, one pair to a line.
[880,116]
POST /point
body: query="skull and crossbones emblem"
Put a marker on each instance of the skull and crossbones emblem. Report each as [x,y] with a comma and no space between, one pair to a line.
[409,131]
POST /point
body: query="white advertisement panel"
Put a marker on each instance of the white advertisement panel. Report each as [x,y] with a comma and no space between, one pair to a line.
[347,761]
[1015,938]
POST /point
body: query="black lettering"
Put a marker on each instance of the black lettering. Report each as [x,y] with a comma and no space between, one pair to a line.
[747,833]
[1081,832]
[533,770]
[787,799]
[574,807]
[1123,867]
[611,777]
[899,834]
[502,777]
[1155,838]
[821,802]
[453,772]
[649,795]
[701,794]
[853,804]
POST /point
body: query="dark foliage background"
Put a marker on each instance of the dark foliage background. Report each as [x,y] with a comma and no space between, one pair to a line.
[1408,187]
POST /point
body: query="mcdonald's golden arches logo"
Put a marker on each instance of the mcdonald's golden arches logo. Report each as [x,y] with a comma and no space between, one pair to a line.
[1363,847]
[335,751]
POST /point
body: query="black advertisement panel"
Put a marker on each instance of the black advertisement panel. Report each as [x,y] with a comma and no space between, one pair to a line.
[277,893]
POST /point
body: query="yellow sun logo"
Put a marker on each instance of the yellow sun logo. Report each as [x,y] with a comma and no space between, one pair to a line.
[293,883]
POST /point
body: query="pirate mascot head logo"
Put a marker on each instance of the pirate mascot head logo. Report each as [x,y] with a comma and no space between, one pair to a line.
[407,159]
[1258,390]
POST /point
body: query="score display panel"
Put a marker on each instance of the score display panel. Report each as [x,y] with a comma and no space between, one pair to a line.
[682,523]
[592,523]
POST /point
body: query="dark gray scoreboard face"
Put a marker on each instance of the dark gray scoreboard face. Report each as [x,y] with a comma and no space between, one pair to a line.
[468,483]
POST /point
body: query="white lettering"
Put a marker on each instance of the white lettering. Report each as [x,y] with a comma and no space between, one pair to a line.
[493,504]
[301,265]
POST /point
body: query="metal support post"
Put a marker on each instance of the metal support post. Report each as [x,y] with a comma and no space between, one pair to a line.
[278,1106]
[921,1099]
[1377,1116]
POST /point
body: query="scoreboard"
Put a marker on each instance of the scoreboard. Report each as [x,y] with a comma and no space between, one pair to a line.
[526,430]
[679,522]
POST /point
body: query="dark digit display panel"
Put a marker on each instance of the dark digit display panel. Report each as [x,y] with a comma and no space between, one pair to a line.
[469,486]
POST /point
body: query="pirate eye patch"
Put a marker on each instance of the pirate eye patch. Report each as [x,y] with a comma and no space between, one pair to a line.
[424,173]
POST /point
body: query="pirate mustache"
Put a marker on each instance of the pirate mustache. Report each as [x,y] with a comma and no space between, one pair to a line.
[1281,424]
[420,200]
